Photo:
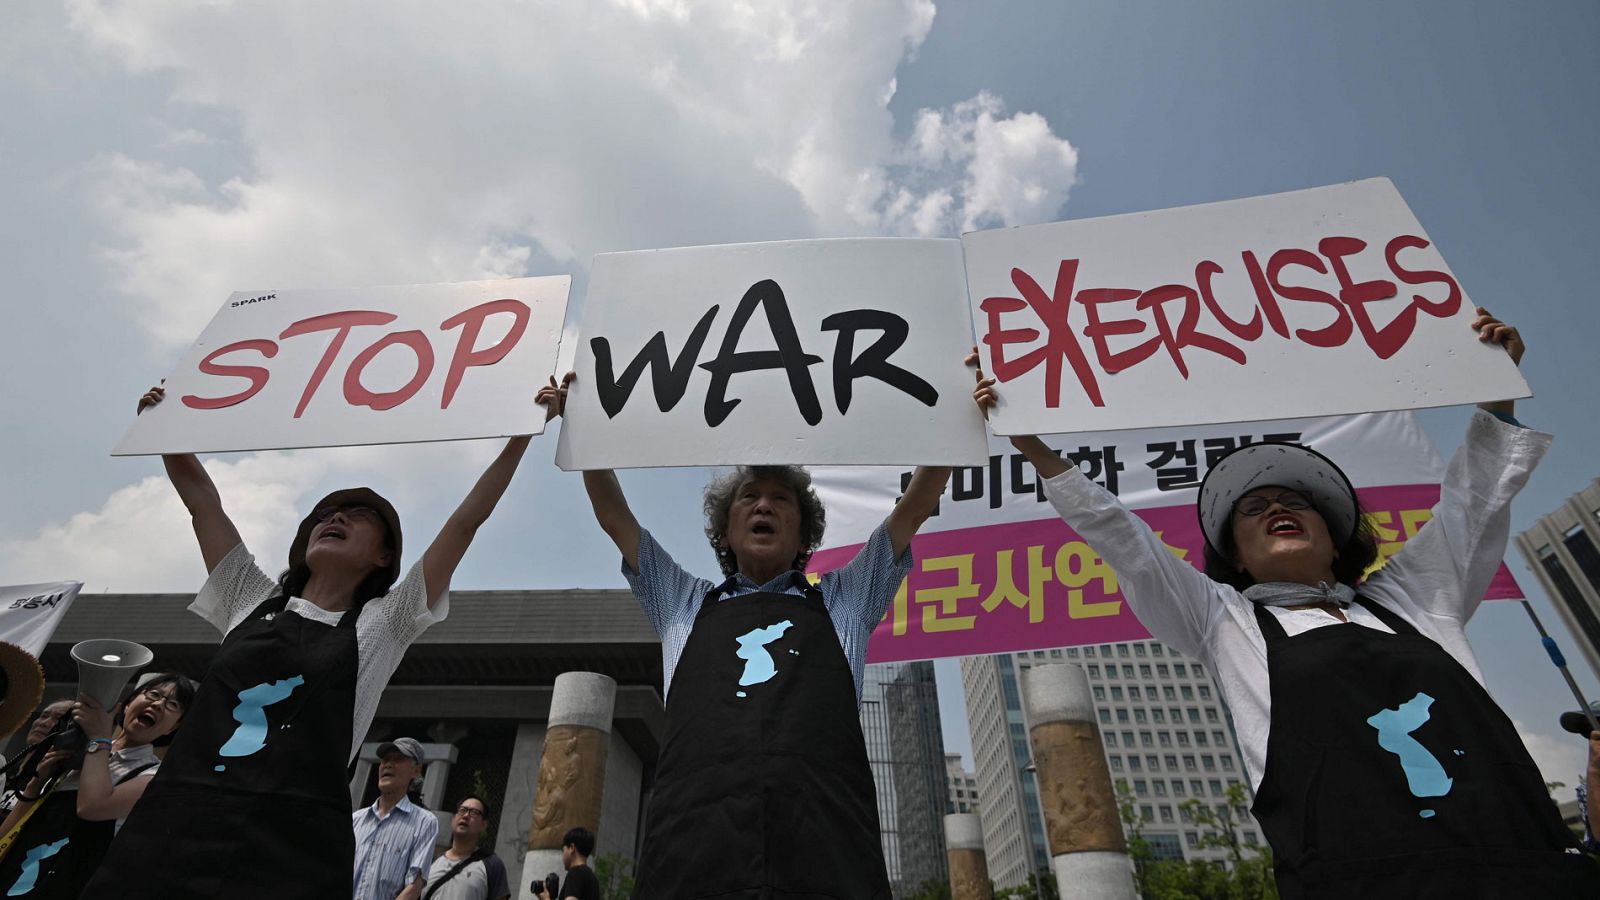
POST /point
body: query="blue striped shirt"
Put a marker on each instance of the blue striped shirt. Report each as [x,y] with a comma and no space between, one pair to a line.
[856,595]
[392,851]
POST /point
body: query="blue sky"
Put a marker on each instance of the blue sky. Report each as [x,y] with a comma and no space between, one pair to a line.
[155,156]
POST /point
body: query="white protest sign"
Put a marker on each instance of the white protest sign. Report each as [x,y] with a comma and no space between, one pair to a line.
[823,351]
[29,613]
[373,365]
[1318,302]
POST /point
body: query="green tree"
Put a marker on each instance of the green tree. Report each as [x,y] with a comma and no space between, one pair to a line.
[1246,874]
[1026,891]
[615,874]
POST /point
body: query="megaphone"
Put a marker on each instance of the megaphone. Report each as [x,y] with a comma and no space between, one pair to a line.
[105,666]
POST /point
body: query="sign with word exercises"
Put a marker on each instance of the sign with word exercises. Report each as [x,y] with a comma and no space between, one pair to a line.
[374,365]
[998,571]
[825,351]
[1318,302]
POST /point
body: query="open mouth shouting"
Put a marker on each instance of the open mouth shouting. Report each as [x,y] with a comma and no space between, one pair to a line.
[334,532]
[1285,525]
[148,718]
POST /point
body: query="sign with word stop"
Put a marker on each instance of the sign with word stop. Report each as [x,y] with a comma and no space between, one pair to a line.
[374,365]
[1318,302]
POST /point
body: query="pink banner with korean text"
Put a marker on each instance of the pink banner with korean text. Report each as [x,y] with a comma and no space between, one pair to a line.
[997,571]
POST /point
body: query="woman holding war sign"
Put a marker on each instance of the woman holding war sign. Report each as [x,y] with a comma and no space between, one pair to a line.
[762,787]
[253,796]
[1382,767]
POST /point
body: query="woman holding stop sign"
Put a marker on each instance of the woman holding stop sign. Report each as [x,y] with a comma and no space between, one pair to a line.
[254,792]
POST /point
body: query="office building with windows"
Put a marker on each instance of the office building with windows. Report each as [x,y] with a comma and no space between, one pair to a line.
[1563,550]
[1167,735]
[961,784]
[905,747]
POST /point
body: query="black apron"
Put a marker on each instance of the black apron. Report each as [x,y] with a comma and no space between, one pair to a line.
[763,789]
[1466,816]
[240,811]
[56,852]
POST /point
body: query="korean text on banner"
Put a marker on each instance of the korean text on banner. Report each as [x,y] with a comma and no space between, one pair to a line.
[372,365]
[1319,302]
[29,613]
[997,571]
[824,351]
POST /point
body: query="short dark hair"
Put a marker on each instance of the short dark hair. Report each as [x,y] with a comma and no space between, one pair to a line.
[719,499]
[1350,566]
[183,691]
[581,839]
[481,802]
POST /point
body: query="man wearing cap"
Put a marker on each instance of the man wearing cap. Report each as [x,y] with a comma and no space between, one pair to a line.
[1381,766]
[394,837]
[1581,722]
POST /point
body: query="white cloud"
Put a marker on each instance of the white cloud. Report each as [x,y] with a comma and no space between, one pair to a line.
[140,539]
[1561,757]
[372,142]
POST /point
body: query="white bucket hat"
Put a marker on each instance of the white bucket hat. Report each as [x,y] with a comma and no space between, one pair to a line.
[1283,465]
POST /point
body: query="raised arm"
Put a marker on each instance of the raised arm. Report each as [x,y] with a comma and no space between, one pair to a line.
[916,505]
[1448,565]
[444,554]
[1173,599]
[212,527]
[605,492]
[99,798]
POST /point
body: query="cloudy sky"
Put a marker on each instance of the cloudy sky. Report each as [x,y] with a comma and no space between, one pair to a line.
[156,155]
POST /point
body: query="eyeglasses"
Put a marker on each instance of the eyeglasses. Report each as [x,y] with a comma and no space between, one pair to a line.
[165,701]
[469,811]
[353,513]
[1256,504]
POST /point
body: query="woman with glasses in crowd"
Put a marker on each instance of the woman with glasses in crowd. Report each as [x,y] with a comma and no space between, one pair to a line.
[255,792]
[70,807]
[1381,766]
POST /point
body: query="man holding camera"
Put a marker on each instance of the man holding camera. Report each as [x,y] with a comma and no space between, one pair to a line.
[577,845]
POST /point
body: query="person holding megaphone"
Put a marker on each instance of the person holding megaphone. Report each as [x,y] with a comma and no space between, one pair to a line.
[254,794]
[68,811]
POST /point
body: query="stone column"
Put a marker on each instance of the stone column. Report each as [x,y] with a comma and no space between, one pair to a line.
[969,868]
[572,769]
[1080,805]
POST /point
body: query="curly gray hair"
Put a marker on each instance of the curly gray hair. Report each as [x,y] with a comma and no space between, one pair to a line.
[719,499]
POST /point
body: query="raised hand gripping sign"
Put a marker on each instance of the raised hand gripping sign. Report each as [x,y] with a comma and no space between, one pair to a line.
[1318,302]
[822,351]
[374,365]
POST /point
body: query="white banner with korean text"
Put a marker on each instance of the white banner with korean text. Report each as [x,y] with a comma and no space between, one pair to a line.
[29,613]
[998,571]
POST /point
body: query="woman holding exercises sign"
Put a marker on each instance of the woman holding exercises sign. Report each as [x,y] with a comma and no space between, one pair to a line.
[254,793]
[1381,766]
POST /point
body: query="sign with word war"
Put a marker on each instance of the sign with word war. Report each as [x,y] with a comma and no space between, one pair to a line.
[821,351]
[998,571]
[373,365]
[1318,302]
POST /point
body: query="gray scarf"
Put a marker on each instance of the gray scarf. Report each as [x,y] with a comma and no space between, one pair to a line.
[1289,593]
